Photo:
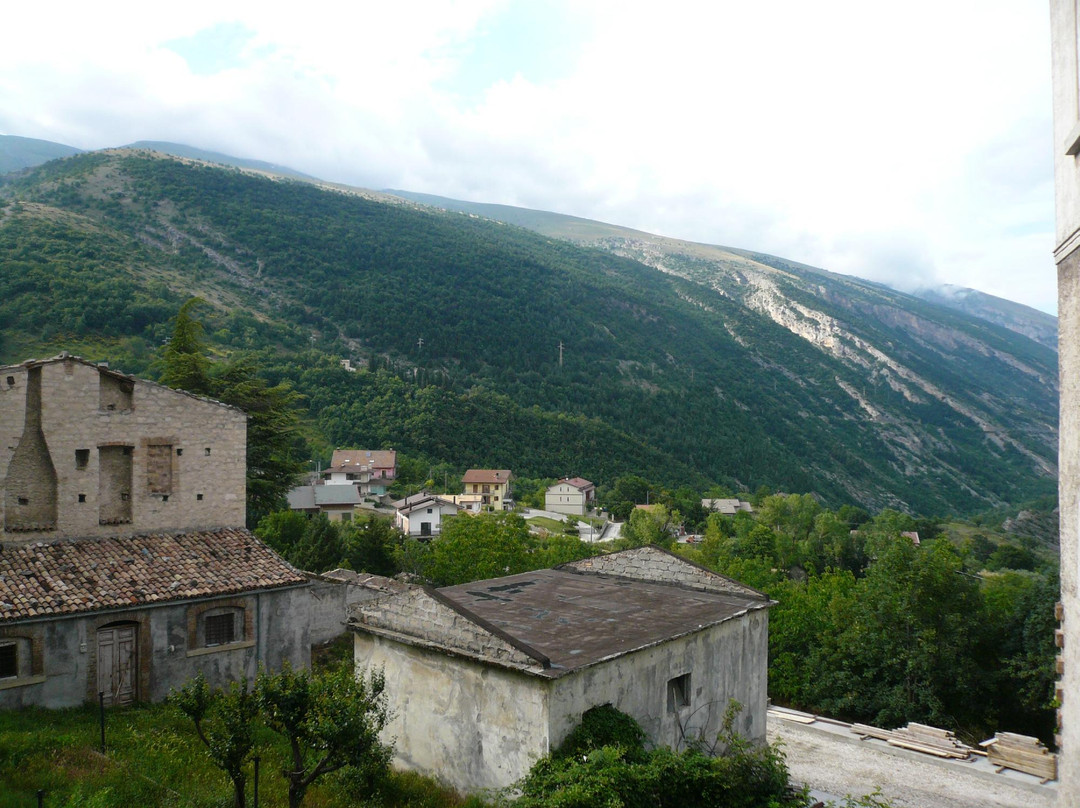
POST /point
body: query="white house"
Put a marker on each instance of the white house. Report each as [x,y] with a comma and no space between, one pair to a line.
[570,495]
[485,678]
[422,514]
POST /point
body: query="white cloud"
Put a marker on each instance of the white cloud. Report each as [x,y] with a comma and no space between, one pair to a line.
[885,141]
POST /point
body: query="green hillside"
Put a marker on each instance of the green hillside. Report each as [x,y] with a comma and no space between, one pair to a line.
[23,152]
[678,376]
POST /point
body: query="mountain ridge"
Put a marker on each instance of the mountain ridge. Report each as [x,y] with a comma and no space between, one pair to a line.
[720,366]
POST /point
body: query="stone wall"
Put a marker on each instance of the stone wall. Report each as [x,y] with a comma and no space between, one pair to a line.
[418,613]
[129,456]
[652,564]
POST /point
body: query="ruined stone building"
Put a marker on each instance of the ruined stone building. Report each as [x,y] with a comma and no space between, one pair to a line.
[125,566]
[486,678]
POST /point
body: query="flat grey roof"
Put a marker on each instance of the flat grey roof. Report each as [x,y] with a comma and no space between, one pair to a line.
[579,619]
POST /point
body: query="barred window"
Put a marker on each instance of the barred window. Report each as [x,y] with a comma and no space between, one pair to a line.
[220,629]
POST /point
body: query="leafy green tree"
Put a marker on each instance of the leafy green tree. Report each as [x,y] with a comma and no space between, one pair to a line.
[320,549]
[283,530]
[331,720]
[472,548]
[367,545]
[225,723]
[650,526]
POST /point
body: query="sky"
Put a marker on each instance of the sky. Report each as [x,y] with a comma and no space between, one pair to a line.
[903,143]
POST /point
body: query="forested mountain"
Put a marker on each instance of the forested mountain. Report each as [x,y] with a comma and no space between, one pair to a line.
[482,343]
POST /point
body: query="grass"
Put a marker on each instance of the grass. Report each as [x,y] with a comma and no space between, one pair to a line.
[154,759]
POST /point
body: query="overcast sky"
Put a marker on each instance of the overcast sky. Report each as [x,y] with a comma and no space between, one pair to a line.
[906,143]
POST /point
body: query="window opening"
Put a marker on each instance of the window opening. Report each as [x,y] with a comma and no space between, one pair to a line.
[679,693]
[82,497]
[219,629]
[9,661]
[82,458]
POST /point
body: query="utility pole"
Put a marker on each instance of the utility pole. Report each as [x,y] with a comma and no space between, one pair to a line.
[560,353]
[420,344]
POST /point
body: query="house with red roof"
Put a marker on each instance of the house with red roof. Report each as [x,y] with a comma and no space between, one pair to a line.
[493,486]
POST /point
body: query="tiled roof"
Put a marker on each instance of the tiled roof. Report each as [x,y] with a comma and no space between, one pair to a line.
[579,483]
[357,458]
[490,476]
[67,577]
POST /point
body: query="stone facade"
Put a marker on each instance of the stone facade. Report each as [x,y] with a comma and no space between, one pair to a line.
[86,451]
[1066,144]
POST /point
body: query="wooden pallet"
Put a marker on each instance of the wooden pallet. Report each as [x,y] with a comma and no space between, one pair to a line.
[1022,753]
[918,738]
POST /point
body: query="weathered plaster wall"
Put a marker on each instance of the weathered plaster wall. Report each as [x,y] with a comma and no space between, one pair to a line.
[473,726]
[1069,500]
[276,631]
[208,451]
[726,662]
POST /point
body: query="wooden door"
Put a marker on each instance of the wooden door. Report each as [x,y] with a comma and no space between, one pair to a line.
[116,663]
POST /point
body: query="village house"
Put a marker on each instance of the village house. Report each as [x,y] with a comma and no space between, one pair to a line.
[372,472]
[125,567]
[337,502]
[727,507]
[570,495]
[492,486]
[485,678]
[421,515]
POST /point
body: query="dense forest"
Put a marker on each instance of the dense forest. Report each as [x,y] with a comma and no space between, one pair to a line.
[456,322]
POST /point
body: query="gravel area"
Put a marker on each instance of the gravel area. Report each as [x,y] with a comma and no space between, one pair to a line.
[830,762]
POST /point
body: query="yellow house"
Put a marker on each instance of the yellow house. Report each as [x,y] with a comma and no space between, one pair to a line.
[493,486]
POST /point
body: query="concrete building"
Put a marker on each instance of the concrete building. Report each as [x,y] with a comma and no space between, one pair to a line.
[371,471]
[1064,22]
[338,502]
[421,514]
[570,495]
[125,567]
[486,678]
[492,486]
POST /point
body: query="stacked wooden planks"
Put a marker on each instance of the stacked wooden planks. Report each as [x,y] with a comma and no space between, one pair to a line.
[1022,753]
[919,738]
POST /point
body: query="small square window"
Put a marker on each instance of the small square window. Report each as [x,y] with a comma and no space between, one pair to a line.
[220,629]
[678,693]
[164,497]
[82,458]
[179,452]
[82,497]
[9,661]
[198,497]
[206,451]
[24,501]
[11,381]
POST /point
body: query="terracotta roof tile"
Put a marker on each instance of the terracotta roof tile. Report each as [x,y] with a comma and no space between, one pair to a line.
[65,577]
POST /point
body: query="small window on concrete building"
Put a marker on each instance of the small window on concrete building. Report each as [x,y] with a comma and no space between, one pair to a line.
[179,452]
[82,458]
[220,629]
[678,693]
[82,497]
[11,381]
[206,451]
[198,497]
[9,660]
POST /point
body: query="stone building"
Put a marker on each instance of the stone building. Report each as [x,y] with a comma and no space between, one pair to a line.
[1065,36]
[485,678]
[125,567]
[86,451]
